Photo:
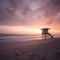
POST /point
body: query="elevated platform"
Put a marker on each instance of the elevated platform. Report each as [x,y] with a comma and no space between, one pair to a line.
[45,33]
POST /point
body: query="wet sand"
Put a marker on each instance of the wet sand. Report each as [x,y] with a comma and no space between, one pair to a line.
[31,50]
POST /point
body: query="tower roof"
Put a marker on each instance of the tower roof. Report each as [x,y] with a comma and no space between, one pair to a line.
[45,29]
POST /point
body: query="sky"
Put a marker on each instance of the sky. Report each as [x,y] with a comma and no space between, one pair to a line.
[29,16]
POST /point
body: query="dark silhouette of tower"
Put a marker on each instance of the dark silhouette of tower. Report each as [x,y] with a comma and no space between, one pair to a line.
[46,34]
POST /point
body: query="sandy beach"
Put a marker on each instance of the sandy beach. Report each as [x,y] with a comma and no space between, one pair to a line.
[31,50]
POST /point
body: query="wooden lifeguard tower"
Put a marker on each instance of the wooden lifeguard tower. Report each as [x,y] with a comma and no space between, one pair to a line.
[46,34]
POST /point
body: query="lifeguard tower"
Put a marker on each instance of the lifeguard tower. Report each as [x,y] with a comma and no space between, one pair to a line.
[46,34]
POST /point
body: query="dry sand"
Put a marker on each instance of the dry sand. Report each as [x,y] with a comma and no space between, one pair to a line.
[31,50]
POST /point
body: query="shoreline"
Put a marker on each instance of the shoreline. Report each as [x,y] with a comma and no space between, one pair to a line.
[31,50]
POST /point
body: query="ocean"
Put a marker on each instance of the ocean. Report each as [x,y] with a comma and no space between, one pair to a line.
[7,38]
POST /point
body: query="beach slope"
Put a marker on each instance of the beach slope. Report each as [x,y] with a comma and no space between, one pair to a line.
[31,50]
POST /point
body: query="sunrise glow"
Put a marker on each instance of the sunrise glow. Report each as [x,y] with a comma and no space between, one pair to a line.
[29,16]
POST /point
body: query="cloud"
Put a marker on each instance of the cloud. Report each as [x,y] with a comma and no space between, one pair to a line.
[29,12]
[53,8]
